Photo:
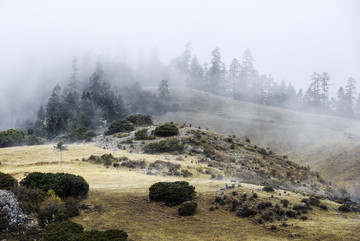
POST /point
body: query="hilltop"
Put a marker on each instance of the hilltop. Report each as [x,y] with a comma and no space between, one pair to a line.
[328,144]
[226,171]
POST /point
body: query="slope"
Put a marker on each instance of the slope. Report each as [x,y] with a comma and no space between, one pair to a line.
[327,144]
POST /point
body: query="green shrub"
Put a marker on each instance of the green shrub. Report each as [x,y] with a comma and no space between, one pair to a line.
[142,135]
[140,120]
[262,151]
[33,140]
[108,235]
[168,145]
[52,211]
[167,129]
[187,208]
[59,232]
[120,126]
[72,208]
[30,198]
[80,134]
[172,193]
[8,182]
[12,137]
[63,184]
[268,189]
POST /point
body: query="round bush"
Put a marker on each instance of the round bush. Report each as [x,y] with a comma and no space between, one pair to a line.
[140,120]
[120,126]
[8,182]
[172,193]
[63,184]
[187,208]
[268,189]
[167,129]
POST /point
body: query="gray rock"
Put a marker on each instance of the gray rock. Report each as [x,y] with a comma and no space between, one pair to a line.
[12,215]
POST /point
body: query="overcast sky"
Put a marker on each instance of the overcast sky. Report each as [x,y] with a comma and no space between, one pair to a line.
[289,39]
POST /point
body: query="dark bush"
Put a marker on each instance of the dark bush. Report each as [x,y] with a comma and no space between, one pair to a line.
[63,184]
[255,195]
[187,208]
[290,214]
[33,140]
[268,189]
[245,212]
[79,134]
[8,182]
[52,211]
[72,208]
[120,126]
[59,231]
[345,208]
[264,205]
[172,193]
[108,235]
[323,207]
[262,151]
[302,207]
[168,145]
[12,137]
[70,231]
[142,135]
[285,202]
[166,129]
[303,218]
[30,198]
[212,209]
[139,120]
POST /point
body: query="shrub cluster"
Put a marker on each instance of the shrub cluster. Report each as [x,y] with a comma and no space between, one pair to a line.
[172,193]
[167,129]
[71,231]
[268,189]
[120,126]
[12,137]
[63,184]
[8,182]
[143,135]
[187,208]
[80,134]
[168,145]
[140,120]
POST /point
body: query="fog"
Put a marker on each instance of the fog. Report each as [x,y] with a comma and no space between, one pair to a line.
[289,40]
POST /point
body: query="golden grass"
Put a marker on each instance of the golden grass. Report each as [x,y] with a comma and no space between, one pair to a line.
[123,195]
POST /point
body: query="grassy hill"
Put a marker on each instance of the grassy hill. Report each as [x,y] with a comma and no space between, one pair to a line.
[118,196]
[328,144]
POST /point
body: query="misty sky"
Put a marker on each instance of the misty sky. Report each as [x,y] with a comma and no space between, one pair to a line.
[288,39]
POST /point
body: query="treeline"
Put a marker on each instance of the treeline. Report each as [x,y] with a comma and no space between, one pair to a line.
[243,82]
[96,104]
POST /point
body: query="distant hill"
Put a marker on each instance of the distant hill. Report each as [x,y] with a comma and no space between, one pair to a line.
[327,144]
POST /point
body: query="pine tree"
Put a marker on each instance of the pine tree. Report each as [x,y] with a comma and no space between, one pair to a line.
[163,89]
[233,79]
[341,103]
[248,76]
[196,74]
[215,72]
[54,114]
[350,93]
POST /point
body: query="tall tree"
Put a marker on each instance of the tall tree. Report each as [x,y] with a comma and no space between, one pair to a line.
[196,74]
[54,113]
[233,79]
[248,75]
[163,90]
[350,94]
[215,71]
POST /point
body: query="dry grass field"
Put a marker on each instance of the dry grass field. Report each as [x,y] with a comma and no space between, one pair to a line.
[121,198]
[328,144]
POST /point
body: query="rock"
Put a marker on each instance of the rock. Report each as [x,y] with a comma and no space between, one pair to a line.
[12,216]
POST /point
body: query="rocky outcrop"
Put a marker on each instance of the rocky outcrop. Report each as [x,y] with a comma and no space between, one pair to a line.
[12,217]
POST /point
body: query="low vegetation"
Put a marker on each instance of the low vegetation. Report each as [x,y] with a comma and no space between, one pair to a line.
[171,145]
[63,184]
[187,208]
[167,129]
[8,182]
[172,193]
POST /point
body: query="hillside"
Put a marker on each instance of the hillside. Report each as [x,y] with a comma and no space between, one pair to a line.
[328,144]
[225,170]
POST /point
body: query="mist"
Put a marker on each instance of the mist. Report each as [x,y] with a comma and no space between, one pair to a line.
[288,40]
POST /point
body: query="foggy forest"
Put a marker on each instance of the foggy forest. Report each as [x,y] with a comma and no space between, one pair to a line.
[179,120]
